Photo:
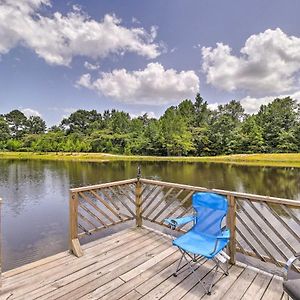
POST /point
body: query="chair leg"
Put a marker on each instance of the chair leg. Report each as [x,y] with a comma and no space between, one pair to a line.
[192,258]
[192,269]
[178,266]
[225,271]
[227,267]
[217,266]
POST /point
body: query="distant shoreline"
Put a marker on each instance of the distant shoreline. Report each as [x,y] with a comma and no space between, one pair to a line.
[276,160]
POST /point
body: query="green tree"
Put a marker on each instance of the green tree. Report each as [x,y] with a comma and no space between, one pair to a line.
[202,112]
[287,141]
[186,110]
[176,136]
[201,140]
[17,123]
[4,133]
[153,138]
[281,115]
[49,142]
[14,145]
[221,134]
[234,110]
[4,130]
[83,121]
[36,125]
[251,136]
[119,122]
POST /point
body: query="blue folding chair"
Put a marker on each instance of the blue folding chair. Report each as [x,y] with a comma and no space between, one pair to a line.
[206,239]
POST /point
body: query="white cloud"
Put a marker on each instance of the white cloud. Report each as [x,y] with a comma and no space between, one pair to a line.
[268,63]
[58,38]
[154,85]
[150,114]
[76,7]
[68,110]
[135,20]
[84,81]
[28,112]
[252,104]
[90,66]
[213,106]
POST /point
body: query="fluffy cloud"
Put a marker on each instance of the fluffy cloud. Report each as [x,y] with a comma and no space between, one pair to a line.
[58,38]
[213,106]
[28,112]
[150,114]
[90,66]
[268,64]
[252,104]
[154,85]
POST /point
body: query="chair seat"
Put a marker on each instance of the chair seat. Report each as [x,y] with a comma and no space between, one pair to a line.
[292,288]
[199,244]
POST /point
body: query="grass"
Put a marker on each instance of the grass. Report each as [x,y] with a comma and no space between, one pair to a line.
[276,160]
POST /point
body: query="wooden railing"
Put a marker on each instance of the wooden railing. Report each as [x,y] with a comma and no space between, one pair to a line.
[98,207]
[263,227]
[267,228]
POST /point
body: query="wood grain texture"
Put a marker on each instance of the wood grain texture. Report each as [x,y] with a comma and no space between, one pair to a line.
[131,264]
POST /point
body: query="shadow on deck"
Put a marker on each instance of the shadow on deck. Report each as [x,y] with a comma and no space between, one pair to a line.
[135,263]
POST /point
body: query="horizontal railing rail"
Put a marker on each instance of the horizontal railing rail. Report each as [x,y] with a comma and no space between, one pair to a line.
[267,228]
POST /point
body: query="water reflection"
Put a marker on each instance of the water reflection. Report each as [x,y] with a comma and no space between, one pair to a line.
[35,193]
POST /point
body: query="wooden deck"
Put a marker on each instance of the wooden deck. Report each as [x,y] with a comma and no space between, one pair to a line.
[131,264]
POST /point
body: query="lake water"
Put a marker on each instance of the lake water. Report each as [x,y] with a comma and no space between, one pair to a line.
[35,195]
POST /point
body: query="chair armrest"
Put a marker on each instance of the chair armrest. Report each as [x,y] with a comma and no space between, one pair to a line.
[175,222]
[289,264]
[225,234]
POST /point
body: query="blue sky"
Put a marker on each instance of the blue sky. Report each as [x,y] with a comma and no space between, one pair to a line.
[143,56]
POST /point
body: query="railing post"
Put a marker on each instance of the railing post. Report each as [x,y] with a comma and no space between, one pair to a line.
[138,202]
[74,244]
[231,224]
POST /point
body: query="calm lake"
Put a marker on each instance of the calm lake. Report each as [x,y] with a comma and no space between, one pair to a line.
[35,195]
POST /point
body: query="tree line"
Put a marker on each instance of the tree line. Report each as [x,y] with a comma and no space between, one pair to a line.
[190,128]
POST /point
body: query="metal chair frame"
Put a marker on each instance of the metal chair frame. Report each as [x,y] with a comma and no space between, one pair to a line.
[192,259]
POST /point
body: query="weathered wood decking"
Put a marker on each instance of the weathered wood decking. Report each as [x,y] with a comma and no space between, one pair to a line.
[131,264]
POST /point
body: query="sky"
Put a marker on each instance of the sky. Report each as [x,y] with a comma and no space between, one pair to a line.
[144,56]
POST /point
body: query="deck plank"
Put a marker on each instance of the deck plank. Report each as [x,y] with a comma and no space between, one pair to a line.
[152,262]
[192,284]
[38,268]
[274,290]
[62,255]
[258,287]
[102,264]
[38,280]
[141,278]
[133,295]
[188,282]
[241,284]
[79,287]
[132,264]
[221,286]
[95,261]
[181,280]
[104,289]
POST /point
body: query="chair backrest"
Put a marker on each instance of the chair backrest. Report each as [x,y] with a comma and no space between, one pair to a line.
[210,210]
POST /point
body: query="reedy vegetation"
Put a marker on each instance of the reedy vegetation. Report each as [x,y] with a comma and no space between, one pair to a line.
[189,129]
